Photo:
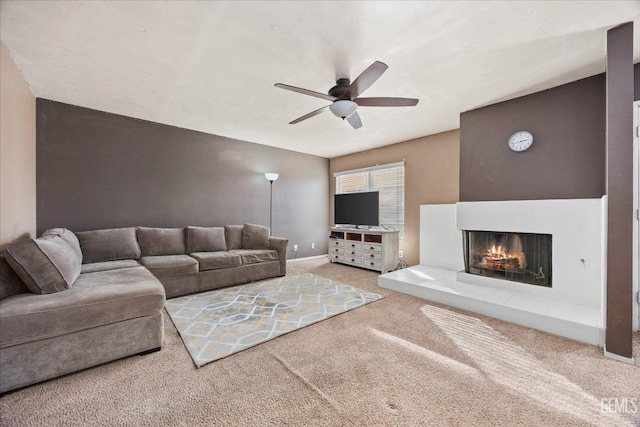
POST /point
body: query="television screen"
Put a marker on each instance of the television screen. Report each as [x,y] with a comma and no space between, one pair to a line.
[356,209]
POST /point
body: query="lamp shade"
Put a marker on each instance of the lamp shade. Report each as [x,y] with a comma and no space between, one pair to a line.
[271,176]
[343,108]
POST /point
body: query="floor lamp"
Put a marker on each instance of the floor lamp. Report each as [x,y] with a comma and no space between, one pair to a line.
[271,177]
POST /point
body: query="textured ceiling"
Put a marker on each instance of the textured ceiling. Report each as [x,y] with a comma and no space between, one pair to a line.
[211,66]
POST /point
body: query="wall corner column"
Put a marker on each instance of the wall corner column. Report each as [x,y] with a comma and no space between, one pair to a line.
[17,153]
[619,188]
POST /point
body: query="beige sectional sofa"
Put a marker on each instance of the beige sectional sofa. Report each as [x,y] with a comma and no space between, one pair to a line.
[69,301]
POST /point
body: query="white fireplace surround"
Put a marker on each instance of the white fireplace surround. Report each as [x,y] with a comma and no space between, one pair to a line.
[577,230]
[573,307]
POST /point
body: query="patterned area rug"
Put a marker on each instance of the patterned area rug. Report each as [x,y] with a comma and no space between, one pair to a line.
[218,323]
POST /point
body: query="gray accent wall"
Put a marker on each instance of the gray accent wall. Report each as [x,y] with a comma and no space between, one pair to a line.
[566,160]
[101,170]
[636,80]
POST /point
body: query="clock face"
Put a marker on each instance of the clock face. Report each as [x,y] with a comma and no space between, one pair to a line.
[520,141]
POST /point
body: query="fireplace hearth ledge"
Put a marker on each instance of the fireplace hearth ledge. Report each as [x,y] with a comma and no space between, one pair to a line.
[577,322]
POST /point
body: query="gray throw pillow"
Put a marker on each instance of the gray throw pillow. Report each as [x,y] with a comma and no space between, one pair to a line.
[161,241]
[46,265]
[205,239]
[12,284]
[233,236]
[255,237]
[67,236]
[110,244]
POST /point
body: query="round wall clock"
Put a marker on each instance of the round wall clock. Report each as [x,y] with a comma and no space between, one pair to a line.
[520,141]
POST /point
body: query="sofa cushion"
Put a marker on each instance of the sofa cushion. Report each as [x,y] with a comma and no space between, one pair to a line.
[209,239]
[216,260]
[255,237]
[233,236]
[109,265]
[109,244]
[170,265]
[255,256]
[67,236]
[96,299]
[46,265]
[161,241]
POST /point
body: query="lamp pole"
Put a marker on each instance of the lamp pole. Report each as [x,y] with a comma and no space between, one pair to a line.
[271,177]
[270,205]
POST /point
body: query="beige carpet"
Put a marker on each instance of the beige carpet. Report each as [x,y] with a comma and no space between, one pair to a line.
[401,361]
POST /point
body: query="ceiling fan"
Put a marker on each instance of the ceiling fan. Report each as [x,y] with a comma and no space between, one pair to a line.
[345,96]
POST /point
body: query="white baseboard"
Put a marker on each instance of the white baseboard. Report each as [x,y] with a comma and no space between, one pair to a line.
[617,357]
[307,258]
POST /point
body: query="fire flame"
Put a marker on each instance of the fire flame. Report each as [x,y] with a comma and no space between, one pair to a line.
[498,256]
[498,252]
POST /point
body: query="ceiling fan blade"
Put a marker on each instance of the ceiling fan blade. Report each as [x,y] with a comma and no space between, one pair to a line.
[366,79]
[306,92]
[309,115]
[354,120]
[386,102]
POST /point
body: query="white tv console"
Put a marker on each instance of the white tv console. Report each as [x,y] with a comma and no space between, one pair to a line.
[372,249]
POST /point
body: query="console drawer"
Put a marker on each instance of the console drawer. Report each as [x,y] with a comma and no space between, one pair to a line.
[373,247]
[353,245]
[353,260]
[371,263]
[372,255]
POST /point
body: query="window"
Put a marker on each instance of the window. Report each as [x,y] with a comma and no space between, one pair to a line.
[388,181]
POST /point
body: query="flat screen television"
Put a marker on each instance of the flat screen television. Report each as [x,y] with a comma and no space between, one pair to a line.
[357,209]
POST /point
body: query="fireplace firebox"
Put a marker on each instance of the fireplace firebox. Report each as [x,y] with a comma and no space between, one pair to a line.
[519,257]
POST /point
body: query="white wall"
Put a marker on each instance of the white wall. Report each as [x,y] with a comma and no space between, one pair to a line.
[17,153]
[440,239]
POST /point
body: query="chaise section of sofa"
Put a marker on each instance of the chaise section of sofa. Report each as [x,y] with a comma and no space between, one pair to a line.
[56,319]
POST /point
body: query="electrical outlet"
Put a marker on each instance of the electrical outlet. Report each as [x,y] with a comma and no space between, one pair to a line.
[400,254]
[295,247]
[313,246]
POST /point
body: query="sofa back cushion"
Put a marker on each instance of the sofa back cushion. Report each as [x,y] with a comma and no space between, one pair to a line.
[209,239]
[67,236]
[110,244]
[233,236]
[255,237]
[46,265]
[161,241]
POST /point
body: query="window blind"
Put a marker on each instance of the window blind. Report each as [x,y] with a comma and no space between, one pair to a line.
[388,181]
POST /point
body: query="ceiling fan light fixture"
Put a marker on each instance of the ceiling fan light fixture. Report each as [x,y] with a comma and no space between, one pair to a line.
[343,108]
